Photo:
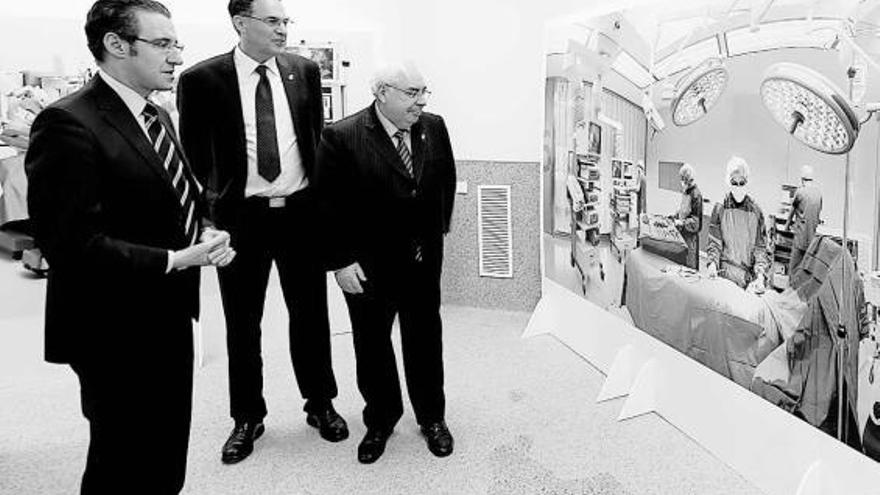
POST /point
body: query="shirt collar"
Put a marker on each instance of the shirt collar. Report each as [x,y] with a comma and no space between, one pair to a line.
[389,126]
[132,100]
[246,65]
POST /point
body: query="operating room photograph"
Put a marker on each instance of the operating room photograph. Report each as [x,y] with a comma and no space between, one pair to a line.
[704,166]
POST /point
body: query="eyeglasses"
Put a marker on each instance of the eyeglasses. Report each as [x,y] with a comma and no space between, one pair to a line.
[271,21]
[165,44]
[738,182]
[412,93]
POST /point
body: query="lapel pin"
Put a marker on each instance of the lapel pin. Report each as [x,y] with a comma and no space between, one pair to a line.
[290,77]
[423,137]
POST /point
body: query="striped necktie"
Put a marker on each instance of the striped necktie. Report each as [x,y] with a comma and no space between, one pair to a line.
[403,151]
[406,158]
[170,158]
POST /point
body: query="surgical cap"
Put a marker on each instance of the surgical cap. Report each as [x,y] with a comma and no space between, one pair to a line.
[737,166]
[807,172]
[686,173]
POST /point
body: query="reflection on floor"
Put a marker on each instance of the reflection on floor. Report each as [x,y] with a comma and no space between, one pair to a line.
[604,293]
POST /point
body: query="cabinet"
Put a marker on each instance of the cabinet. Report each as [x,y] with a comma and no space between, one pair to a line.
[624,224]
[583,197]
[781,238]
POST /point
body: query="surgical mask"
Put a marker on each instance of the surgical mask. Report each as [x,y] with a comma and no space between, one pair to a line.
[739,193]
[684,186]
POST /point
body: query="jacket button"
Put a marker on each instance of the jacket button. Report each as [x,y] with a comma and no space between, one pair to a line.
[413,193]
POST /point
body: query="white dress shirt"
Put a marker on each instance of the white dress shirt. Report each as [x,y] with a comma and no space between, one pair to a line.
[292,177]
[133,101]
[392,129]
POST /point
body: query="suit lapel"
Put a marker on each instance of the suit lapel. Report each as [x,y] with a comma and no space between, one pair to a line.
[417,138]
[291,79]
[383,144]
[232,101]
[114,111]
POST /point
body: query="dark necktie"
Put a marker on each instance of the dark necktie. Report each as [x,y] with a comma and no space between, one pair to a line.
[268,163]
[164,146]
[403,151]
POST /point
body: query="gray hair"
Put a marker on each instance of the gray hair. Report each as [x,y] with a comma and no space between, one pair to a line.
[392,73]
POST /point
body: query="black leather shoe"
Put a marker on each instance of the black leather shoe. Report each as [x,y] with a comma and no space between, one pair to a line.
[240,443]
[439,439]
[329,423]
[372,446]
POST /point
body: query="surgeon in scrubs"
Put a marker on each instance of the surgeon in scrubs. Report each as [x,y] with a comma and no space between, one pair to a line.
[689,217]
[737,247]
[803,218]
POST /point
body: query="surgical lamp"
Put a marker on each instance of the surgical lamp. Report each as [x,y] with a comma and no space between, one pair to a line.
[810,108]
[698,91]
[815,112]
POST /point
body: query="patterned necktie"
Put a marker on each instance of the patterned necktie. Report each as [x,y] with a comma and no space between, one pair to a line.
[164,147]
[268,162]
[403,151]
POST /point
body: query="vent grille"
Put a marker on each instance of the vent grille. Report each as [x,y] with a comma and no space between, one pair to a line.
[494,232]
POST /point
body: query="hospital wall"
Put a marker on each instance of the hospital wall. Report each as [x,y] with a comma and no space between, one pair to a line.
[740,125]
[485,67]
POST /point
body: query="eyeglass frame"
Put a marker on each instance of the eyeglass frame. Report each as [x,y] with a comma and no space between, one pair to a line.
[169,44]
[271,21]
[413,94]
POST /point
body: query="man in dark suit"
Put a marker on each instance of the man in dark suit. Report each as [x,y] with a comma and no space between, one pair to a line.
[118,214]
[387,178]
[250,120]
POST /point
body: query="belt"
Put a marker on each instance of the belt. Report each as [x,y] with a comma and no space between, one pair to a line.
[268,202]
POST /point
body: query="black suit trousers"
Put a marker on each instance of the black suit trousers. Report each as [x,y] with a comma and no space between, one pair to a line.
[138,401]
[287,236]
[412,294]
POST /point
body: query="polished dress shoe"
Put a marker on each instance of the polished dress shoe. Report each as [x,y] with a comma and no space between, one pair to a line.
[240,443]
[439,439]
[373,445]
[329,423]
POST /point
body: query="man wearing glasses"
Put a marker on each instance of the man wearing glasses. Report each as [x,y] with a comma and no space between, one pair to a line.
[387,174]
[250,120]
[119,215]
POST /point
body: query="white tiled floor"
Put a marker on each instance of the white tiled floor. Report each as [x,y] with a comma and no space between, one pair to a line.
[523,413]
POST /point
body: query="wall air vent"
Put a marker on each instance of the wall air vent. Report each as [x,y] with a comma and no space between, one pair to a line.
[494,231]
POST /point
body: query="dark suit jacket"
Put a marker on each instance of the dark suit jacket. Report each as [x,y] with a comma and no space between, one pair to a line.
[104,214]
[212,127]
[374,209]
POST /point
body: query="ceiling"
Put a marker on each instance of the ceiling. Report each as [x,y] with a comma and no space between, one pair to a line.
[656,42]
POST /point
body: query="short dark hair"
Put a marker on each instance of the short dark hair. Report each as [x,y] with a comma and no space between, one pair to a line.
[116,16]
[239,7]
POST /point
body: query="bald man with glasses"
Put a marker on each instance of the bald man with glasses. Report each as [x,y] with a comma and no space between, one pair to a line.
[250,120]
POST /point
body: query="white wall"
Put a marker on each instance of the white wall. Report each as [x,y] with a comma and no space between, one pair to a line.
[55,41]
[483,59]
